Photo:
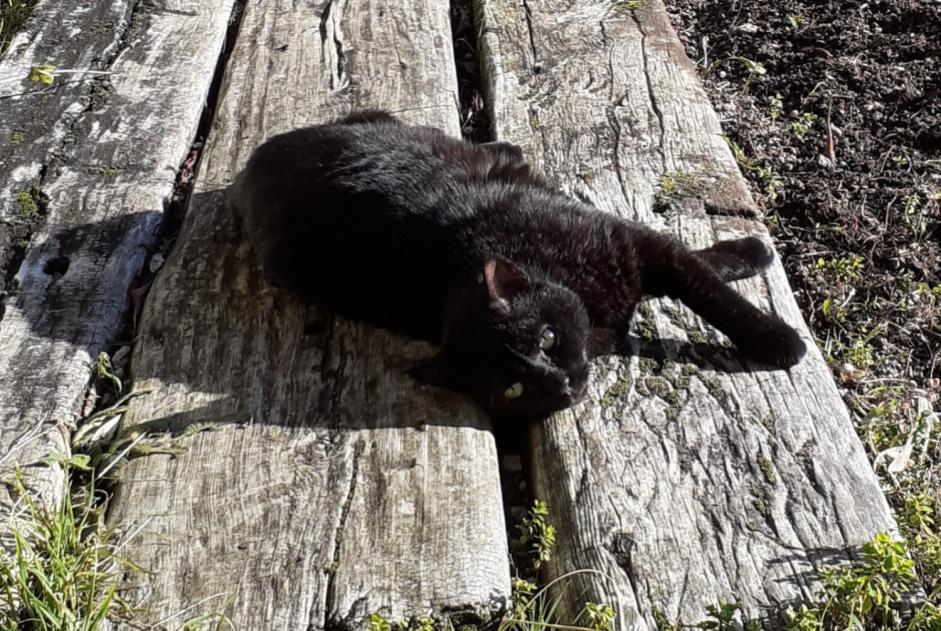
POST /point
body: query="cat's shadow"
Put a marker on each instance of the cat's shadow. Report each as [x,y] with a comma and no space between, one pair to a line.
[703,355]
[707,356]
[55,305]
[326,374]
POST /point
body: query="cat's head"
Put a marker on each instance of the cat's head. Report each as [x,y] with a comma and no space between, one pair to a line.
[515,343]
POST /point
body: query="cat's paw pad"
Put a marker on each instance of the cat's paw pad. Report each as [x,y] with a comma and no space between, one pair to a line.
[735,259]
[776,344]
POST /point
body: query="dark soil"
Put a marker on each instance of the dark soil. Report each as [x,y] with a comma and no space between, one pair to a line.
[834,112]
[841,138]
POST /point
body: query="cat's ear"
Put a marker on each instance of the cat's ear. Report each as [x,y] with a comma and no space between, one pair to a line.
[440,370]
[504,280]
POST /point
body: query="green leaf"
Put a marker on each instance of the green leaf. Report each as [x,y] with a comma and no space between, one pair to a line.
[44,74]
[75,461]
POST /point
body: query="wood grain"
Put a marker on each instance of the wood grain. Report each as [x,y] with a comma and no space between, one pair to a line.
[100,156]
[685,477]
[330,485]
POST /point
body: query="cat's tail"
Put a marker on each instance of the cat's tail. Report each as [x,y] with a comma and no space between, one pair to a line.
[668,268]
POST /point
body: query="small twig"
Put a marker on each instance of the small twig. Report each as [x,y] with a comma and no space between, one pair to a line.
[888,207]
[804,255]
[831,149]
[130,536]
[907,382]
[193,606]
[80,71]
[121,455]
[810,94]
[56,73]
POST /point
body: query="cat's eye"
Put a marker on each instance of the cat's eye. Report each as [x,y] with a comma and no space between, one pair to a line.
[514,392]
[547,339]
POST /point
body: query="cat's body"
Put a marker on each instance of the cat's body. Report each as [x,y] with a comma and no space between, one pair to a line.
[464,246]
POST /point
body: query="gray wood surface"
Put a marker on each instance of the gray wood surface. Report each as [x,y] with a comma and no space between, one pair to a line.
[328,486]
[102,153]
[685,477]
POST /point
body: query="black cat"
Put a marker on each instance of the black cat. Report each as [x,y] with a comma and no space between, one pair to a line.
[465,246]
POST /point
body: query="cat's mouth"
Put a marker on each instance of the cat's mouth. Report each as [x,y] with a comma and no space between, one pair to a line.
[580,392]
[570,396]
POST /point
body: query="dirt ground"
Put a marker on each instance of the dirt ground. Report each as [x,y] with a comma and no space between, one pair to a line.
[855,209]
[833,109]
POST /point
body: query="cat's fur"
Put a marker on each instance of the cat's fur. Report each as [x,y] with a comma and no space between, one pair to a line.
[465,246]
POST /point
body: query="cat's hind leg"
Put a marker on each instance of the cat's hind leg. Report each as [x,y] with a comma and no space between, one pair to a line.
[737,258]
[670,269]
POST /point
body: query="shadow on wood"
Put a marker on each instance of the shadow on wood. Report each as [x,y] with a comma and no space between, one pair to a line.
[327,470]
[238,268]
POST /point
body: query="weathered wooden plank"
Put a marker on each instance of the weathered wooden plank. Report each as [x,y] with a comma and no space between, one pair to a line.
[683,477]
[549,61]
[40,124]
[340,488]
[101,156]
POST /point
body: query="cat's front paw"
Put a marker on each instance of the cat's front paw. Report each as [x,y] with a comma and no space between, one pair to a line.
[775,343]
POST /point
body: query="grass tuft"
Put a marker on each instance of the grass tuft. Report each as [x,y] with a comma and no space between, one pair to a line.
[61,570]
[532,607]
[13,15]
[535,607]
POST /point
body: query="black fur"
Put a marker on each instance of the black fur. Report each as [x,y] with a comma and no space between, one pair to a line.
[465,246]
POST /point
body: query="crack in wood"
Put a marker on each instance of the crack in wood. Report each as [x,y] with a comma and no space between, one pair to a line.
[175,208]
[474,116]
[650,90]
[329,29]
[133,13]
[621,548]
[338,537]
[334,389]
[615,155]
[528,12]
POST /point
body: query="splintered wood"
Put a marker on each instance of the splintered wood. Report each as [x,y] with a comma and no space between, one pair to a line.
[329,486]
[685,477]
[97,155]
